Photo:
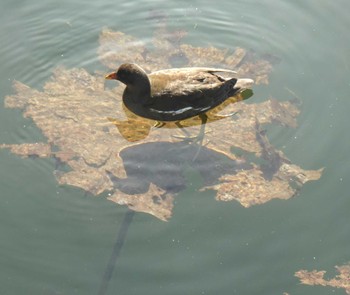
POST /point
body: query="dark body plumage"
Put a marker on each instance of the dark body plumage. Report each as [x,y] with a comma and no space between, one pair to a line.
[175,94]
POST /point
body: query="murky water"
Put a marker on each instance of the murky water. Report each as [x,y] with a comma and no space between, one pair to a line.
[58,240]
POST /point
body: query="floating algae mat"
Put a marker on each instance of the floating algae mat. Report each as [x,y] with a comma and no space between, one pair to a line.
[314,278]
[108,149]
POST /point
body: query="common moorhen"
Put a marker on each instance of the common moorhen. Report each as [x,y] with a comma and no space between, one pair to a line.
[176,94]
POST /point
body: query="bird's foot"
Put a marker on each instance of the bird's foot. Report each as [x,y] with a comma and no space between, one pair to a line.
[158,124]
[191,139]
[227,115]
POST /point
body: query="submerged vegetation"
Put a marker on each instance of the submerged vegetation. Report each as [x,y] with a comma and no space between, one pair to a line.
[99,146]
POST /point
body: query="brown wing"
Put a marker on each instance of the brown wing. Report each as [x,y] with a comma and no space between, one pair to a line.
[180,94]
[184,80]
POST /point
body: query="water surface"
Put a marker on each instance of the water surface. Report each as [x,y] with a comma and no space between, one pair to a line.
[57,240]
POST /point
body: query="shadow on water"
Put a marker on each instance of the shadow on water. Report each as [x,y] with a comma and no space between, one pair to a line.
[118,245]
[163,164]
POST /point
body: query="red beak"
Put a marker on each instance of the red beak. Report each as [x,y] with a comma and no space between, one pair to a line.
[111,76]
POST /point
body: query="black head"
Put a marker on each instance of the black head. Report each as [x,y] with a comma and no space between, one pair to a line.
[128,74]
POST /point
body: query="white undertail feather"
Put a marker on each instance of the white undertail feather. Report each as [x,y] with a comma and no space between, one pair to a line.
[244,83]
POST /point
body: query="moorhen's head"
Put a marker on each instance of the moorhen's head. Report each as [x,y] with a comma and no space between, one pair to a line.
[129,74]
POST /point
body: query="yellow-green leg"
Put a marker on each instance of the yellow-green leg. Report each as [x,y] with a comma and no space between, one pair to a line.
[198,138]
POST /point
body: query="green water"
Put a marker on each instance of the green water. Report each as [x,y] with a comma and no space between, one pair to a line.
[58,240]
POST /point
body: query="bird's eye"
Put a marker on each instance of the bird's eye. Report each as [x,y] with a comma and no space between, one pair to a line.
[122,76]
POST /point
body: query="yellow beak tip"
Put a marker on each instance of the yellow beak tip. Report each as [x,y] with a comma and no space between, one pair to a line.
[112,76]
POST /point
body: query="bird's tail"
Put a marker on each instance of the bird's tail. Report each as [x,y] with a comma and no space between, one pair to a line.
[244,84]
